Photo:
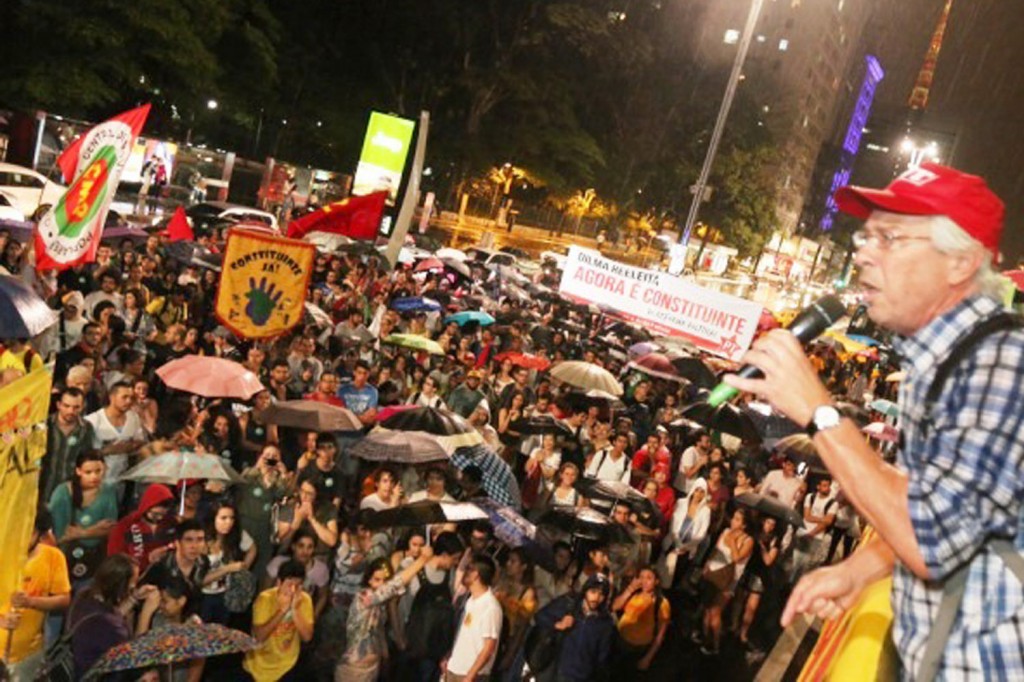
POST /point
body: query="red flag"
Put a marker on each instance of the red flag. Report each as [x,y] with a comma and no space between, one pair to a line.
[69,159]
[178,228]
[69,233]
[355,217]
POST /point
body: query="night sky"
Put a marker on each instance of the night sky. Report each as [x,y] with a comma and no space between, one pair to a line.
[978,88]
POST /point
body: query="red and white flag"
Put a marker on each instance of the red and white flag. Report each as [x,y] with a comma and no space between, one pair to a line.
[69,233]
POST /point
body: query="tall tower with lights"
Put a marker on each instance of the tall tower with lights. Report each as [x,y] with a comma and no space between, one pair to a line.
[914,150]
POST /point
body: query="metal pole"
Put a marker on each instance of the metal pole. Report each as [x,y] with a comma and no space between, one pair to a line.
[723,114]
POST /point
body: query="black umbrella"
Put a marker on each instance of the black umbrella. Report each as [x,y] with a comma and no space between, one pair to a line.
[23,314]
[694,369]
[584,522]
[458,267]
[194,254]
[800,448]
[726,418]
[426,512]
[312,415]
[406,447]
[769,423]
[770,506]
[541,424]
[429,419]
[616,491]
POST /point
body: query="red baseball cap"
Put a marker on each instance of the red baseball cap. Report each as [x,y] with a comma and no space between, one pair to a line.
[931,189]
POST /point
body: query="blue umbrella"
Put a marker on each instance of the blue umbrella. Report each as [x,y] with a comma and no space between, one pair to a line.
[411,304]
[886,407]
[467,316]
[498,481]
[23,314]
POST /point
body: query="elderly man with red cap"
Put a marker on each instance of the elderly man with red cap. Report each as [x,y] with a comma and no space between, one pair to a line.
[949,516]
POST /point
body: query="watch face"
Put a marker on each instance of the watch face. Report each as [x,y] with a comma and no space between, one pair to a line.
[826,417]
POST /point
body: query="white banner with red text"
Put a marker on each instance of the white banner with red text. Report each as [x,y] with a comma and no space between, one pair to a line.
[669,306]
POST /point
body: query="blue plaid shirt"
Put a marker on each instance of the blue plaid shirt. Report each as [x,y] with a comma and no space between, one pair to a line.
[965,485]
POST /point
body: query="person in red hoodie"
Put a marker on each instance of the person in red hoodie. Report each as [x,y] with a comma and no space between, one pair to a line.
[140,535]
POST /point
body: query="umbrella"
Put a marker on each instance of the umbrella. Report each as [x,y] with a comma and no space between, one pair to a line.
[656,365]
[726,418]
[498,481]
[693,369]
[524,360]
[770,506]
[615,491]
[181,465]
[312,415]
[848,344]
[569,325]
[866,340]
[458,267]
[800,448]
[769,423]
[194,254]
[886,407]
[586,375]
[426,512]
[896,376]
[385,412]
[854,412]
[317,316]
[358,335]
[429,419]
[171,644]
[676,343]
[882,431]
[643,348]
[23,314]
[541,424]
[411,304]
[405,447]
[465,317]
[586,523]
[120,232]
[415,342]
[450,253]
[513,530]
[210,377]
[428,264]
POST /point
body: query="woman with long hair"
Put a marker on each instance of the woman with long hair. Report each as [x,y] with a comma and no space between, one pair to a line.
[145,405]
[255,430]
[230,550]
[99,617]
[721,573]
[139,325]
[223,437]
[645,617]
[686,530]
[563,494]
[517,595]
[84,512]
[760,573]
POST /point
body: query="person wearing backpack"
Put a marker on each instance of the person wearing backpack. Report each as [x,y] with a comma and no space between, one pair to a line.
[951,514]
[574,637]
[426,614]
[812,539]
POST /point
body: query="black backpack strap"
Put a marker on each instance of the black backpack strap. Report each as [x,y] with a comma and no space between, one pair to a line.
[1003,321]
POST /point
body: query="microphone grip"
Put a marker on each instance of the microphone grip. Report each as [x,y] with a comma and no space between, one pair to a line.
[723,392]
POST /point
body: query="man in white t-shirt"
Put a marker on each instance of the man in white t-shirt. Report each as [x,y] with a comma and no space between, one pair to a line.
[117,430]
[690,464]
[611,463]
[476,640]
[812,539]
[783,484]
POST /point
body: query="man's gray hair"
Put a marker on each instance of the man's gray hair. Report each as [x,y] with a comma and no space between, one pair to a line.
[950,238]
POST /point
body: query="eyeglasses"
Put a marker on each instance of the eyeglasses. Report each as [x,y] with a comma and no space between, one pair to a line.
[883,241]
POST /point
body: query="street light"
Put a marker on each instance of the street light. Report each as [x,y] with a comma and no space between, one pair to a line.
[211,104]
[917,153]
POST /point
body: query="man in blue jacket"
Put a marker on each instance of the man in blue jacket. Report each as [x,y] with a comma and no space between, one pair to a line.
[589,633]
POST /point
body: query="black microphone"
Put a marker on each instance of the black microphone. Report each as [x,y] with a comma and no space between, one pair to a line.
[807,326]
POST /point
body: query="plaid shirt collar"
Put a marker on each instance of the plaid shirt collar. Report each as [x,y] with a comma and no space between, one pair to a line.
[923,351]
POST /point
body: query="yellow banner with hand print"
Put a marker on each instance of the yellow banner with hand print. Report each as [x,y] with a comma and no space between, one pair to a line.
[23,408]
[263,283]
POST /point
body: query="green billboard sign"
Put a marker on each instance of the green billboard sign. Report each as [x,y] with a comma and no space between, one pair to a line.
[382,160]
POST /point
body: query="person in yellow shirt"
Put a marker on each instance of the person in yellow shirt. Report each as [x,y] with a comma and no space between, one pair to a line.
[645,617]
[45,587]
[281,617]
[19,354]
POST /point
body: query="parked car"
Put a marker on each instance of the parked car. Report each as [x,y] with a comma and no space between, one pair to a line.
[214,215]
[8,211]
[28,189]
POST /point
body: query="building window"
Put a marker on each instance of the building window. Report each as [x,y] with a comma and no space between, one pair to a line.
[783,45]
[761,38]
[732,36]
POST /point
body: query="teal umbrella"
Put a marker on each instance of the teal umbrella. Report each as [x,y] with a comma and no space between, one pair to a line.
[467,316]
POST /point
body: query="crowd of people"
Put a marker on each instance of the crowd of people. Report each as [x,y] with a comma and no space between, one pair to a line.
[639,536]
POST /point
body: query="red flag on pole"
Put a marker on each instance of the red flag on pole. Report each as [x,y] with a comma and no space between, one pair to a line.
[70,231]
[178,228]
[355,217]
